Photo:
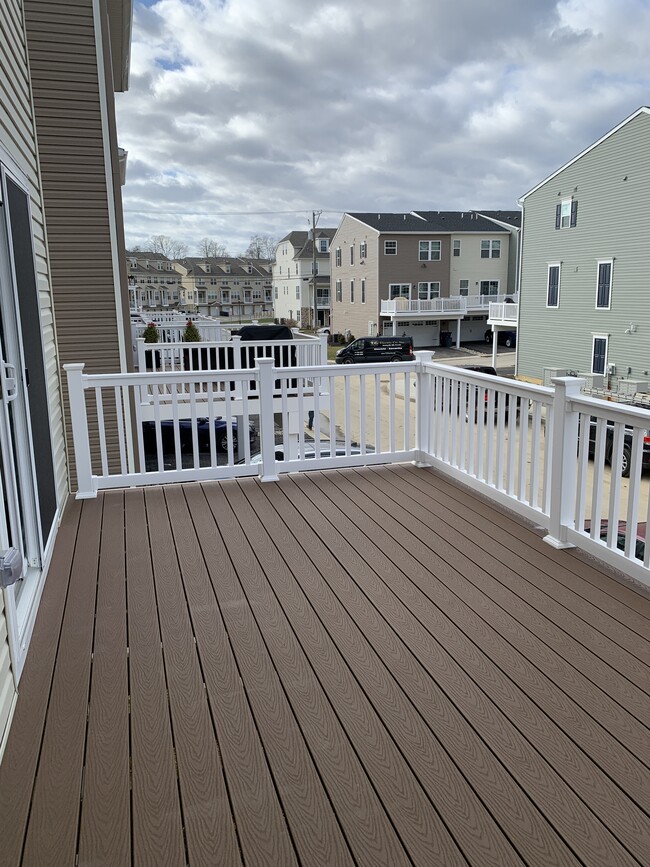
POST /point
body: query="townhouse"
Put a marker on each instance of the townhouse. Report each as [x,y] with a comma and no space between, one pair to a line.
[227,286]
[294,281]
[427,274]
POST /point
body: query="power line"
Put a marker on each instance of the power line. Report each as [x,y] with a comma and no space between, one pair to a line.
[223,213]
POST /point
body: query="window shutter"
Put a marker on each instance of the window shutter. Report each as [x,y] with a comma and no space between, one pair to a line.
[558,215]
[574,213]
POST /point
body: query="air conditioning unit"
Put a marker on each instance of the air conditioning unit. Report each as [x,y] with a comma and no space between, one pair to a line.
[593,381]
[630,387]
[551,372]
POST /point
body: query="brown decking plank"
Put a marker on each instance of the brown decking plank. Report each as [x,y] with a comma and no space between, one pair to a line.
[209,829]
[259,810]
[370,834]
[466,818]
[20,761]
[614,808]
[105,826]
[53,825]
[563,581]
[511,592]
[565,813]
[157,820]
[460,603]
[621,601]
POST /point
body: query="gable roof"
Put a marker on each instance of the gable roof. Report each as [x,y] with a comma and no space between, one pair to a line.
[439,222]
[644,109]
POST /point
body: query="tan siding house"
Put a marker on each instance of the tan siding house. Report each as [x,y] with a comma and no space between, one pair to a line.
[60,197]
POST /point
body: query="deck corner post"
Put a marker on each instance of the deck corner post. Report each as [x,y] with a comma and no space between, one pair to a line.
[264,369]
[79,420]
[423,408]
[564,449]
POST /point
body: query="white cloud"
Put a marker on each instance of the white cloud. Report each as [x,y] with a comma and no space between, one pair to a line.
[251,106]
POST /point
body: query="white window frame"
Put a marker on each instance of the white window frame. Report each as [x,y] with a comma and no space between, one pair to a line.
[609,262]
[400,293]
[557,265]
[433,252]
[493,247]
[393,248]
[337,260]
[363,250]
[460,288]
[565,213]
[323,245]
[489,294]
[456,247]
[594,338]
[429,291]
[298,292]
[338,290]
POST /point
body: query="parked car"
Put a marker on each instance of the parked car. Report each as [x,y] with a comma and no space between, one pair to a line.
[506,338]
[366,350]
[626,457]
[483,395]
[621,536]
[323,331]
[185,434]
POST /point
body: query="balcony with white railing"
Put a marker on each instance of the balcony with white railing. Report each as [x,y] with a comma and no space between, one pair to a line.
[505,314]
[430,307]
[517,443]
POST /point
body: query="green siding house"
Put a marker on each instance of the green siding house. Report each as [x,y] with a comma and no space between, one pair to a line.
[584,301]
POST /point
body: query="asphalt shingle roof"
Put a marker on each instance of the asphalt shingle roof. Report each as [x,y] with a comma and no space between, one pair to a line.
[439,222]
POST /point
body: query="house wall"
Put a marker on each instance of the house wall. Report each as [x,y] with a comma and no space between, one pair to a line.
[470,266]
[357,316]
[611,183]
[18,151]
[74,109]
[285,280]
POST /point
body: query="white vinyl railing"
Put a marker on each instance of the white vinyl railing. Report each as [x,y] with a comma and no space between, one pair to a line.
[457,305]
[502,312]
[527,447]
[483,302]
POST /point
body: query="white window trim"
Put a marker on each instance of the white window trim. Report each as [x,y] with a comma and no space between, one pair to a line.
[557,265]
[429,256]
[609,262]
[594,338]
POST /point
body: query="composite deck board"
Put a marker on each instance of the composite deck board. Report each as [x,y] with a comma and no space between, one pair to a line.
[52,837]
[233,656]
[613,807]
[473,611]
[363,666]
[556,583]
[377,840]
[105,824]
[210,834]
[564,820]
[157,820]
[20,763]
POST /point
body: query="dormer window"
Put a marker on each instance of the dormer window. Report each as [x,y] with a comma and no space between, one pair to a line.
[323,245]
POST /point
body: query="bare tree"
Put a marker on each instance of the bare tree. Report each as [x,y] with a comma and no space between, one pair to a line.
[261,247]
[209,247]
[169,247]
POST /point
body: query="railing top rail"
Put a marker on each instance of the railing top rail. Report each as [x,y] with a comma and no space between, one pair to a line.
[303,340]
[521,389]
[616,412]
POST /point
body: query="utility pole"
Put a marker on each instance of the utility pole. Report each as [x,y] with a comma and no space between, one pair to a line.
[314,218]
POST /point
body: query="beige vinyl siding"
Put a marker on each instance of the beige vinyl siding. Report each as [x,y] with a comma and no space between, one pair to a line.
[70,126]
[611,183]
[17,136]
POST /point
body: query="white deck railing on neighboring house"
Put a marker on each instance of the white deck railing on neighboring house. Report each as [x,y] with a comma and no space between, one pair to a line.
[484,302]
[455,306]
[502,313]
[517,443]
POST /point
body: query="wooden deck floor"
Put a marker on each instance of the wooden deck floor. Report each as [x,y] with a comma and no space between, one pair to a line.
[364,667]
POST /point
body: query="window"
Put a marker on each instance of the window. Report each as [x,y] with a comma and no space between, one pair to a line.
[489,287]
[399,290]
[553,286]
[312,268]
[339,291]
[276,294]
[429,251]
[463,287]
[566,214]
[323,245]
[363,250]
[457,247]
[351,254]
[604,286]
[390,248]
[490,249]
[363,291]
[427,291]
[599,354]
[338,256]
[351,291]
[298,292]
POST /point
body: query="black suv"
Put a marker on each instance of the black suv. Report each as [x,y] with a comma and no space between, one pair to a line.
[626,458]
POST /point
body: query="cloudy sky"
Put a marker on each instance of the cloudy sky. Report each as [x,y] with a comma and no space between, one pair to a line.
[245,115]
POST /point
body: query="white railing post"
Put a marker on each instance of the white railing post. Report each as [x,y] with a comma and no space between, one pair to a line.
[267,422]
[423,407]
[564,460]
[142,362]
[79,419]
[323,349]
